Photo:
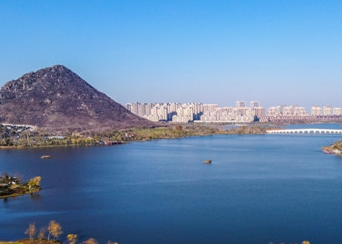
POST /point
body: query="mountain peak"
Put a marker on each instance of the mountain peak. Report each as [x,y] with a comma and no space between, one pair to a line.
[55,98]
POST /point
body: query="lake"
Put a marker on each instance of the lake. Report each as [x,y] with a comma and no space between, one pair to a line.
[258,189]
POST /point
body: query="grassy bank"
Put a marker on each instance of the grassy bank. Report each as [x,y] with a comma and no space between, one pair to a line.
[36,139]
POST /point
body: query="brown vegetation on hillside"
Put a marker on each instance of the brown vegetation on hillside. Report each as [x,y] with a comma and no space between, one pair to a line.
[57,100]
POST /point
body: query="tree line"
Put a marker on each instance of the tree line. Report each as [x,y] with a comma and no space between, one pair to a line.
[52,233]
[27,138]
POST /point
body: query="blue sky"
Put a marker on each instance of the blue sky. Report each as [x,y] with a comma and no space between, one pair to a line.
[275,52]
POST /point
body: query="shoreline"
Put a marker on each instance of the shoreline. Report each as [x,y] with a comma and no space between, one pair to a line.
[334,149]
[171,131]
[17,194]
[11,186]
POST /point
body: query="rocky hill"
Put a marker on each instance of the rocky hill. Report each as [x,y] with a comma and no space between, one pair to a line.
[56,99]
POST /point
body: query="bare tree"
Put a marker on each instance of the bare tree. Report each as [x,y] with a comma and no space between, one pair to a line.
[54,229]
[31,231]
[41,234]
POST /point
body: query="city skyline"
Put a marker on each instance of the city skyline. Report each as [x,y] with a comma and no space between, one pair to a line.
[241,113]
[247,104]
[279,52]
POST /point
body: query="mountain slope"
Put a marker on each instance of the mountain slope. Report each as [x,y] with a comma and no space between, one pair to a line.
[55,98]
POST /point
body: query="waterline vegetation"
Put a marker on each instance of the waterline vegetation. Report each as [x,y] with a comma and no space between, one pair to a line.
[13,186]
[54,229]
[23,136]
[49,235]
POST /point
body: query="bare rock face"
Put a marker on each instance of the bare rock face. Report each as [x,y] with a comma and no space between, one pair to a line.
[57,99]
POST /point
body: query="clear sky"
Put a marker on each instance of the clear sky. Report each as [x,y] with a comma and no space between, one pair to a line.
[215,51]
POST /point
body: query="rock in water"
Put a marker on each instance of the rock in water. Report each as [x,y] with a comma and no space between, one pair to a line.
[45,156]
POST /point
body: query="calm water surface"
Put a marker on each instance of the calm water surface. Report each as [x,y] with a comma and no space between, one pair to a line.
[259,189]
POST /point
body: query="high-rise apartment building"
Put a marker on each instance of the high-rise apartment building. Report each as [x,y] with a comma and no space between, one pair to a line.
[128,106]
[240,104]
[275,111]
[148,107]
[254,104]
[337,111]
[209,108]
[259,112]
[327,110]
[299,111]
[134,107]
[316,110]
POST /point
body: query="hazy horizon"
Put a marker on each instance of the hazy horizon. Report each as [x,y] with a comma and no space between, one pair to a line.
[275,52]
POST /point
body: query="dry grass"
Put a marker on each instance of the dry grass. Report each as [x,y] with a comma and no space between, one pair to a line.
[28,241]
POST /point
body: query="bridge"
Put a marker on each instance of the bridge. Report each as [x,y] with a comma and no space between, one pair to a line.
[304,131]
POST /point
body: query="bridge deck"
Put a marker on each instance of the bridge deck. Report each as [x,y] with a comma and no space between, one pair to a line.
[305,131]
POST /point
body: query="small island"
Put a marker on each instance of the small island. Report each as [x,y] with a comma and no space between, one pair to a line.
[11,186]
[335,148]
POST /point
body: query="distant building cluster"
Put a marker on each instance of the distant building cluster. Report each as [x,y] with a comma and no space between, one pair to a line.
[294,112]
[198,112]
[282,110]
[327,110]
[175,112]
[241,113]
